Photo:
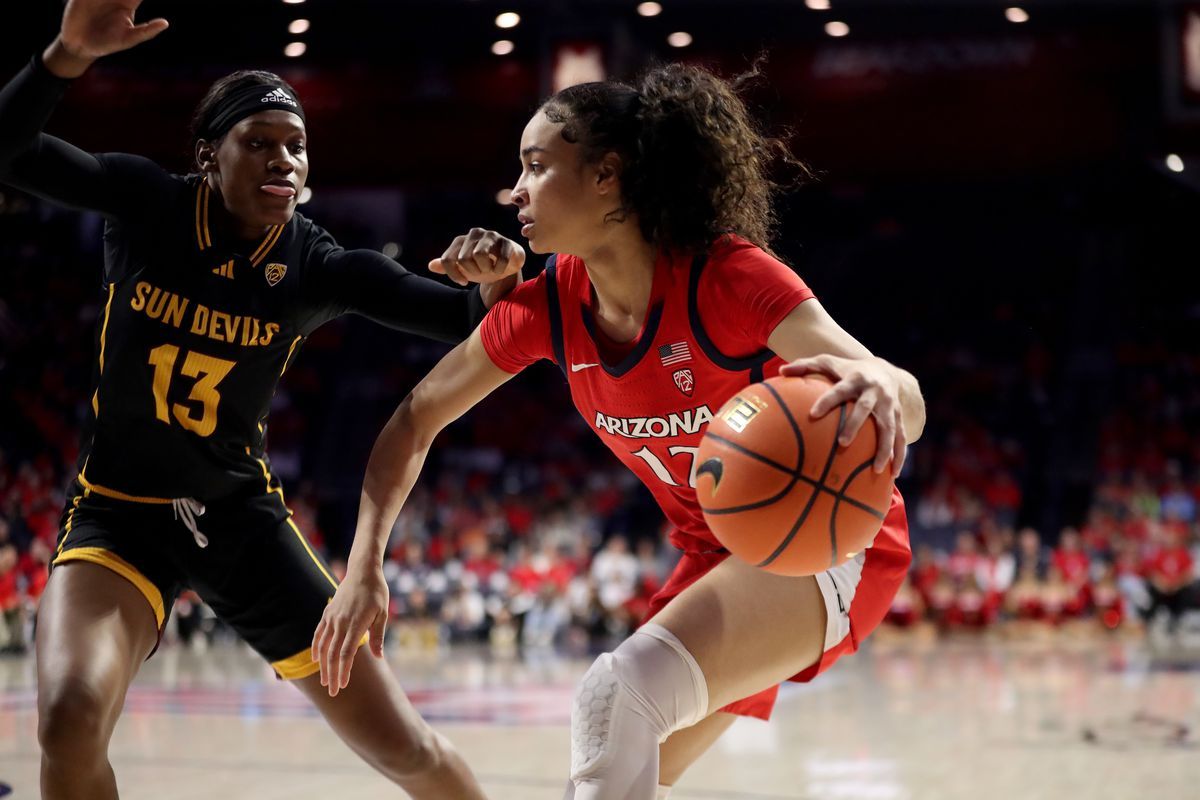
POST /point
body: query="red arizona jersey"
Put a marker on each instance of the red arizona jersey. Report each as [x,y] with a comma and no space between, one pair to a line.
[703,339]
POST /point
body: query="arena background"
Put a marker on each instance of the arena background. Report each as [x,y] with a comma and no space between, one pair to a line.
[1004,202]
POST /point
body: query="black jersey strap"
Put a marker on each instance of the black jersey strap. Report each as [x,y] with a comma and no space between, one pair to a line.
[753,362]
[555,308]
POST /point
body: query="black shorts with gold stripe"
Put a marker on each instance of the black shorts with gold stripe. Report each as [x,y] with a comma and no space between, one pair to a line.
[257,571]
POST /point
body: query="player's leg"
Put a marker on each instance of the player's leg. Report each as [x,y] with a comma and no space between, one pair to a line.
[684,747]
[734,632]
[94,630]
[261,576]
[375,718]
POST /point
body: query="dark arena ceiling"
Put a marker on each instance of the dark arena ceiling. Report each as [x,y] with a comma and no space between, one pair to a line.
[411,92]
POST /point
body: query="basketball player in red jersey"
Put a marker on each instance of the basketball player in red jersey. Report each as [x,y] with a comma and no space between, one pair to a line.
[661,302]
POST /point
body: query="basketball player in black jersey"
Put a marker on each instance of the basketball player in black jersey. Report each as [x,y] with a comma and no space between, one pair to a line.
[212,282]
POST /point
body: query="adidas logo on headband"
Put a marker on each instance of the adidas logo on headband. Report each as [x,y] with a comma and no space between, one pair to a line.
[278,95]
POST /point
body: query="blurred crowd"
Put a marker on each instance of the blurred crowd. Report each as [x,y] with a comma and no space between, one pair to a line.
[528,534]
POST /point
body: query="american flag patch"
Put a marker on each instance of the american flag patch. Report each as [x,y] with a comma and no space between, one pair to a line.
[674,353]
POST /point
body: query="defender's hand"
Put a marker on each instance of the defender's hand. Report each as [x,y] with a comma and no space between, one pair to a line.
[480,256]
[96,28]
[359,605]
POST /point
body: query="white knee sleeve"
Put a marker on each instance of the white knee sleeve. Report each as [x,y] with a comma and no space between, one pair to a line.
[626,705]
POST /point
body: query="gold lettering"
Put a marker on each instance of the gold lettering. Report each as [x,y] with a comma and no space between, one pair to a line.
[139,296]
[158,299]
[271,330]
[200,320]
[219,320]
[175,310]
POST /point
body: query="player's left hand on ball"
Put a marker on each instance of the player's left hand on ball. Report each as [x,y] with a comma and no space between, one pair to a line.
[359,605]
[872,390]
[480,256]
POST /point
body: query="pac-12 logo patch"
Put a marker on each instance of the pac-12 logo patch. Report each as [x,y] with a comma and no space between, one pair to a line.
[685,381]
[275,273]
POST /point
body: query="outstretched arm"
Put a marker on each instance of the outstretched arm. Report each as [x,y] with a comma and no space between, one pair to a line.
[813,342]
[460,380]
[369,283]
[49,167]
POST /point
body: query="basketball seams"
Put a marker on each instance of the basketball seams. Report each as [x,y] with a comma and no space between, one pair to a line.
[787,413]
[756,456]
[813,498]
[796,474]
[840,496]
[825,500]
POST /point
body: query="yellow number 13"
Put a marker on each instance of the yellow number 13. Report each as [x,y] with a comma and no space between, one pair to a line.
[208,372]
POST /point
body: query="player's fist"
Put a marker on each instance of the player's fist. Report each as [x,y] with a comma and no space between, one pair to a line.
[480,256]
[95,28]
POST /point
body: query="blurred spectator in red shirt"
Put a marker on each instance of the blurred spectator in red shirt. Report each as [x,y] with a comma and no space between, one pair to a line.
[12,635]
[965,558]
[926,571]
[1169,573]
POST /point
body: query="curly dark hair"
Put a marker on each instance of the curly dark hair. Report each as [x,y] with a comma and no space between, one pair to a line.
[694,162]
[222,87]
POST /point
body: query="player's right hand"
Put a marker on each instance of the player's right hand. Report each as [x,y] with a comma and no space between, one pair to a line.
[359,606]
[95,28]
[480,256]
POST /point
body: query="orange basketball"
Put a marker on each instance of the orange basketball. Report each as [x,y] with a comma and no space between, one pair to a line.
[778,491]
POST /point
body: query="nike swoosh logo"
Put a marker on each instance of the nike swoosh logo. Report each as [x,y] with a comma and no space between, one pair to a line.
[578,367]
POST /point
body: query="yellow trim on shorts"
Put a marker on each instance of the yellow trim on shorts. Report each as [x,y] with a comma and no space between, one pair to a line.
[106,558]
[291,523]
[309,550]
[298,666]
[70,520]
[104,491]
[302,665]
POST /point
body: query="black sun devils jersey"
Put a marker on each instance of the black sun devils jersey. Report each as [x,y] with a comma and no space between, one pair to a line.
[196,333]
[192,343]
[197,328]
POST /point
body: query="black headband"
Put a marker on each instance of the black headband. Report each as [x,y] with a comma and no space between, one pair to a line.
[240,104]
